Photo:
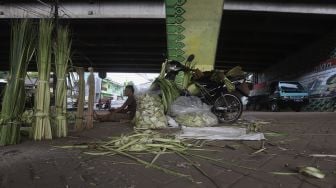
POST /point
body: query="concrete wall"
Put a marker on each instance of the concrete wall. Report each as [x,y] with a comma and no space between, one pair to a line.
[315,68]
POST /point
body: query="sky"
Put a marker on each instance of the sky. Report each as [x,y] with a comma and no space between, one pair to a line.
[136,78]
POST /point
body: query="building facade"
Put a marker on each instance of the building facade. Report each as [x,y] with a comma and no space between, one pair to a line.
[110,88]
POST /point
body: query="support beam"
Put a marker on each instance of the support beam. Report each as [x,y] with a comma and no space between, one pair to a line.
[152,9]
[85,10]
[271,6]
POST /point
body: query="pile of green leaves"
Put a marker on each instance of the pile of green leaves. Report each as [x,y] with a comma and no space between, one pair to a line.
[150,142]
[139,142]
[146,141]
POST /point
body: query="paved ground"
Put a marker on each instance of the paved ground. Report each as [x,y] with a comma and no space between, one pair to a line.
[39,164]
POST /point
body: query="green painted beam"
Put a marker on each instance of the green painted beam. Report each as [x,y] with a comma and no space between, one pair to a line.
[193,28]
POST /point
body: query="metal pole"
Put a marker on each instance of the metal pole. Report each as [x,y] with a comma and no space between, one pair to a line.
[55,37]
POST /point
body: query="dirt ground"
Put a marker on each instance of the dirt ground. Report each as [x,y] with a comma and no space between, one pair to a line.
[40,164]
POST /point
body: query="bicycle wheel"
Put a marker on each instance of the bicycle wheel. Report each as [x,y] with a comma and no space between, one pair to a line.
[274,107]
[228,108]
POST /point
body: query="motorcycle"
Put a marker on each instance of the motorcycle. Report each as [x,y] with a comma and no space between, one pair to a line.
[224,97]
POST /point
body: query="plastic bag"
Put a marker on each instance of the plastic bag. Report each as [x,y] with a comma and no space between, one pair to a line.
[190,104]
[142,89]
[171,122]
[146,88]
[192,112]
[197,119]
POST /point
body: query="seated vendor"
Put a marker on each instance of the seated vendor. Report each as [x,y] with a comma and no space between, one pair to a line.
[125,112]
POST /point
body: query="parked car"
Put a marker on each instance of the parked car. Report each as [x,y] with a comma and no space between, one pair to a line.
[280,94]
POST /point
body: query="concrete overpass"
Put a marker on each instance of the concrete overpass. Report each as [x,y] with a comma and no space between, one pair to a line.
[129,36]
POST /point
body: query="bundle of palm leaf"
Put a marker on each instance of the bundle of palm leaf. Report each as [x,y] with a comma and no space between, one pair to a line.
[42,128]
[183,78]
[21,52]
[80,100]
[62,49]
[91,83]
[169,90]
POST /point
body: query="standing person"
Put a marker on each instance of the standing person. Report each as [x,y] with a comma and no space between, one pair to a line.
[125,112]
